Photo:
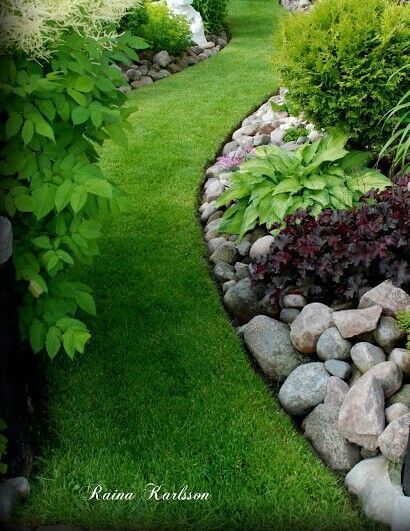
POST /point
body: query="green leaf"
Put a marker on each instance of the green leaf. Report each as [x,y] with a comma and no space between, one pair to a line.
[25,203]
[37,335]
[44,198]
[80,115]
[99,187]
[42,242]
[314,183]
[53,342]
[117,134]
[47,108]
[90,229]
[290,185]
[86,302]
[63,195]
[368,180]
[78,198]
[13,124]
[42,127]
[84,84]
[67,322]
[77,97]
[28,131]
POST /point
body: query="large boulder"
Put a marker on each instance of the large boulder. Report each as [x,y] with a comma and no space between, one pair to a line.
[386,295]
[388,335]
[241,300]
[332,346]
[361,417]
[309,325]
[304,388]
[394,439]
[269,342]
[366,355]
[370,480]
[321,430]
[352,323]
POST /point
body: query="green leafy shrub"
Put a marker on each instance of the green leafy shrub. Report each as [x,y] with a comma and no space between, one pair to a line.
[3,446]
[135,18]
[399,142]
[277,182]
[404,322]
[213,13]
[56,114]
[165,30]
[338,59]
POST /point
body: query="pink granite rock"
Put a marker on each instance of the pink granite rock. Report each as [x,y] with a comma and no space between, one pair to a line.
[393,441]
[352,323]
[386,295]
[308,326]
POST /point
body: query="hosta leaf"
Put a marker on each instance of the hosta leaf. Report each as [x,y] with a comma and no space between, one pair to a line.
[355,160]
[290,185]
[314,182]
[343,194]
[368,180]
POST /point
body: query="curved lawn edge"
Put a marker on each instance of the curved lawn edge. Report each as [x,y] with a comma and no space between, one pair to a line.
[165,393]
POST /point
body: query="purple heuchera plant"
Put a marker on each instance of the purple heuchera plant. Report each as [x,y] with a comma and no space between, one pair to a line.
[233,162]
[338,254]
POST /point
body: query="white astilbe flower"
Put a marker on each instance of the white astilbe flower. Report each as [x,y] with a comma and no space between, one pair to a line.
[34,27]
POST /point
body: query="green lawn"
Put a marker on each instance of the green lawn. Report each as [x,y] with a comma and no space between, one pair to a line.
[165,392]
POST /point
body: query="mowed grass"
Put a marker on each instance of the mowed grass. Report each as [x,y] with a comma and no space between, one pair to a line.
[165,393]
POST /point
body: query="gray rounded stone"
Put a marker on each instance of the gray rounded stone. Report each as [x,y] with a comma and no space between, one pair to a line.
[269,342]
[226,252]
[241,301]
[393,441]
[332,346]
[388,374]
[288,315]
[224,272]
[387,334]
[304,388]
[338,368]
[294,300]
[321,430]
[366,355]
[395,411]
[401,356]
[402,396]
[261,247]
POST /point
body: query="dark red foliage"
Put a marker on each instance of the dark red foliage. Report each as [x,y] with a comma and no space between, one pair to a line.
[340,253]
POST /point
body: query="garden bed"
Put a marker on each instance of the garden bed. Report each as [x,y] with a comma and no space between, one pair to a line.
[152,66]
[340,361]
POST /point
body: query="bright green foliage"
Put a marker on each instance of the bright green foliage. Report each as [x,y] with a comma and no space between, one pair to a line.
[51,186]
[338,59]
[135,18]
[213,13]
[293,133]
[165,30]
[277,182]
[399,141]
[3,445]
[404,322]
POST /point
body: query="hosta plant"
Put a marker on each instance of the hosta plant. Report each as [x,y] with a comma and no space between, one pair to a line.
[277,182]
[338,253]
[56,114]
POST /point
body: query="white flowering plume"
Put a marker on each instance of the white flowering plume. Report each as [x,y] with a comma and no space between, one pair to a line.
[34,27]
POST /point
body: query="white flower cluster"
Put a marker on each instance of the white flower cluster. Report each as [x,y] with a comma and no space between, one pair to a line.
[34,27]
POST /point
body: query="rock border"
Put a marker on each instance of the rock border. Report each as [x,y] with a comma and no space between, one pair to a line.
[342,371]
[152,67]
